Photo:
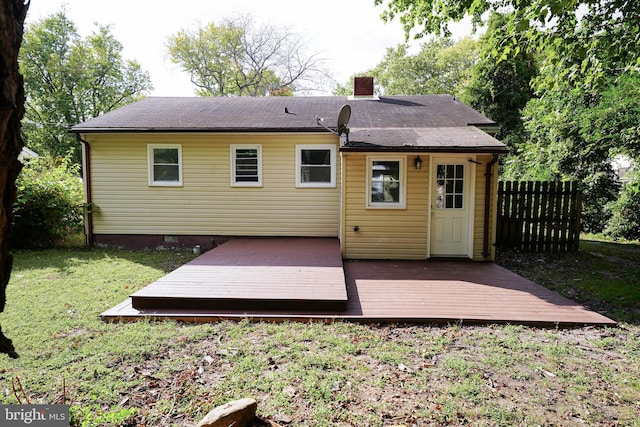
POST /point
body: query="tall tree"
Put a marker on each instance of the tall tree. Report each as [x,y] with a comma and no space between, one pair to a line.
[12,15]
[69,79]
[237,57]
[559,147]
[441,66]
[574,134]
[592,38]
[501,89]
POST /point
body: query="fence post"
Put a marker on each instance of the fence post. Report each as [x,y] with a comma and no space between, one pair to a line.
[576,215]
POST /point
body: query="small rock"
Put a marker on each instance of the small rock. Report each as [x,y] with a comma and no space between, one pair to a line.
[289,391]
[238,413]
[282,419]
[227,352]
[403,368]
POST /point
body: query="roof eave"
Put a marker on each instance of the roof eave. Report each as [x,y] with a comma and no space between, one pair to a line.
[434,149]
[490,128]
[199,130]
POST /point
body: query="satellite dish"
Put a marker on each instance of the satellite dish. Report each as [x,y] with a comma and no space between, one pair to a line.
[343,119]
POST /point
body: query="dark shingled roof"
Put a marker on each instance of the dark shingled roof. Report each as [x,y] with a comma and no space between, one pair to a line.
[268,113]
[381,122]
[443,139]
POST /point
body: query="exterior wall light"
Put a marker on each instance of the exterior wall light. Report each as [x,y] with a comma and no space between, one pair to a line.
[417,162]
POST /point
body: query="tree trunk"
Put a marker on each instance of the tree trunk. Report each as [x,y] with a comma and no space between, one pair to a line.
[12,15]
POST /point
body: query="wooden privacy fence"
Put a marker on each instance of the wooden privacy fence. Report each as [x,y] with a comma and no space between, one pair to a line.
[539,216]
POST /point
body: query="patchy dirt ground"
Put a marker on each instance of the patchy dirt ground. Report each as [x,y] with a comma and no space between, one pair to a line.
[396,375]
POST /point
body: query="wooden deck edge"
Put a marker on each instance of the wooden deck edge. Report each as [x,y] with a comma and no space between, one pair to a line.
[125,313]
[239,304]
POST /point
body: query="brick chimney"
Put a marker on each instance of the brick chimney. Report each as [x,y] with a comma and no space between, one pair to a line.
[363,87]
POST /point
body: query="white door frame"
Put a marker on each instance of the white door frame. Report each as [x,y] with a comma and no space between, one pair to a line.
[470,184]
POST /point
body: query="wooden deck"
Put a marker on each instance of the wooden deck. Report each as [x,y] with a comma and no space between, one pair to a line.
[304,279]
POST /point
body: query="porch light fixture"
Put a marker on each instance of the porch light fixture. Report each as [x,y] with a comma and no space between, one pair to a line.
[417,162]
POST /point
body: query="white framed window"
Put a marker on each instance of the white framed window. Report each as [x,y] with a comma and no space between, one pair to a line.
[246,165]
[386,182]
[315,165]
[165,164]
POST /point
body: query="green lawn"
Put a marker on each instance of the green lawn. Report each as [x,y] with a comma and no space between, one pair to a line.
[343,374]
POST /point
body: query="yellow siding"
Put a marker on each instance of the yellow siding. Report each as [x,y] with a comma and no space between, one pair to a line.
[385,233]
[207,204]
[404,233]
[478,231]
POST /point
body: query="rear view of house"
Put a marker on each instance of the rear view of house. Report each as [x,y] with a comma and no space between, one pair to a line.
[411,177]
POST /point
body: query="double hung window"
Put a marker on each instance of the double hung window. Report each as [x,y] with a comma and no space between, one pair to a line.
[386,183]
[315,166]
[165,164]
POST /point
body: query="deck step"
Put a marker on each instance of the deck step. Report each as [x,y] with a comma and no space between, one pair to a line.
[254,274]
[159,303]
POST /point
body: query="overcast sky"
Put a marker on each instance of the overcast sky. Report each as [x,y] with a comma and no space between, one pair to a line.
[348,34]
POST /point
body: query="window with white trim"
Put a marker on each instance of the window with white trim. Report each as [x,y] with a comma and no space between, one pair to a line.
[165,164]
[315,165]
[386,182]
[246,165]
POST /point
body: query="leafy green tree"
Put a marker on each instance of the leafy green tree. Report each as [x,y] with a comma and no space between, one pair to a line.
[501,89]
[625,211]
[208,55]
[613,117]
[236,57]
[590,39]
[574,134]
[441,66]
[613,124]
[69,79]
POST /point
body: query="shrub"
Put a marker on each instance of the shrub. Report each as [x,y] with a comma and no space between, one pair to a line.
[625,219]
[49,203]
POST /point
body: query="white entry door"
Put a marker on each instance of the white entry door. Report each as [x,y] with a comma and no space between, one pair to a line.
[450,208]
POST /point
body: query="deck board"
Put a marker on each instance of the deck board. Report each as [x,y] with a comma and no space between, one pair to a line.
[375,291]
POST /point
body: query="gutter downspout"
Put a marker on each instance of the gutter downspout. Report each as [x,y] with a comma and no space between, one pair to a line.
[86,162]
[487,205]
